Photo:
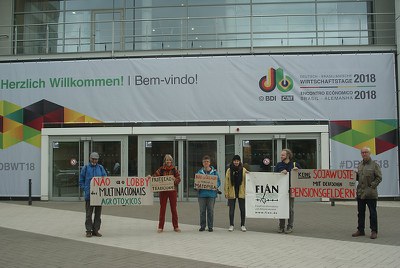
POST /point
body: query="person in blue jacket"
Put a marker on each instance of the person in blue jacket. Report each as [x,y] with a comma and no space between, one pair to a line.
[286,166]
[207,197]
[92,169]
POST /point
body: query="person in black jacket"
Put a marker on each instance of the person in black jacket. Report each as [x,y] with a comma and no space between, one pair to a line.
[285,166]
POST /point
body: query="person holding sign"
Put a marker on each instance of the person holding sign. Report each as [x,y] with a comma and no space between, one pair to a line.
[168,169]
[235,188]
[207,197]
[93,169]
[286,166]
[369,175]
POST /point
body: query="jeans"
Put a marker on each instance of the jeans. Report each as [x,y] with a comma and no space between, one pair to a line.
[173,199]
[373,215]
[206,205]
[242,207]
[291,216]
[89,223]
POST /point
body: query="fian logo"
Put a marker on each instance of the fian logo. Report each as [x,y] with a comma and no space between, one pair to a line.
[276,78]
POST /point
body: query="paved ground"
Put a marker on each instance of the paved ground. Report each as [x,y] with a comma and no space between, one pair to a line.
[51,234]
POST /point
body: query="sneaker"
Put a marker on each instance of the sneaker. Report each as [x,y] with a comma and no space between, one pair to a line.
[289,230]
[177,230]
[230,228]
[88,234]
[281,230]
[95,233]
[202,229]
[159,230]
[243,228]
[358,233]
[210,230]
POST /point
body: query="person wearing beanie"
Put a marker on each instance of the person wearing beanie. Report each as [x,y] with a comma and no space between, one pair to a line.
[235,188]
[165,170]
[92,169]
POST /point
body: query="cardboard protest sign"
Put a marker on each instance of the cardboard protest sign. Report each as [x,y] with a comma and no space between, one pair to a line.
[323,183]
[162,183]
[205,181]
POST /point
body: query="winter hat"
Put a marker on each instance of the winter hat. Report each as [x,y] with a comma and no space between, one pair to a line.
[94,155]
[236,157]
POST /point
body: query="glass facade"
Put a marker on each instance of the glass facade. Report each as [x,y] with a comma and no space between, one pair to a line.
[73,26]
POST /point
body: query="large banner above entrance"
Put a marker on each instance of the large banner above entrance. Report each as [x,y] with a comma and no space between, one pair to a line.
[356,93]
[206,89]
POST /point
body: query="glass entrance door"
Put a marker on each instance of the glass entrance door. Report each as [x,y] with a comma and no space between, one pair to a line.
[261,152]
[68,156]
[187,152]
[195,150]
[67,162]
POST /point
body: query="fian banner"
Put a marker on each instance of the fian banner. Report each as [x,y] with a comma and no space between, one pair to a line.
[120,191]
[205,181]
[162,183]
[267,195]
[323,183]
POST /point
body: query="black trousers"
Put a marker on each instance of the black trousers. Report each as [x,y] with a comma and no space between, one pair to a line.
[92,225]
[373,215]
[242,207]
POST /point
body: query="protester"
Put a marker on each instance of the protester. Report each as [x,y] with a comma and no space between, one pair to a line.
[235,188]
[369,175]
[92,169]
[207,197]
[286,166]
[165,170]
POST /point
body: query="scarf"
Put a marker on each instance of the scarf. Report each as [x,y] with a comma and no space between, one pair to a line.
[236,174]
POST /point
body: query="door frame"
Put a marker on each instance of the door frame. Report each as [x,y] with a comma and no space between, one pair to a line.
[87,142]
[77,134]
[321,132]
[181,139]
[279,138]
[52,140]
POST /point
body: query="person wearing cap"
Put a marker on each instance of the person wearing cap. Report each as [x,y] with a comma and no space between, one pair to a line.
[92,169]
[286,166]
[168,169]
[235,188]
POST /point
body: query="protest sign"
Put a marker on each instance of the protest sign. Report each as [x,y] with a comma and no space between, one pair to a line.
[323,183]
[162,183]
[267,195]
[120,191]
[205,181]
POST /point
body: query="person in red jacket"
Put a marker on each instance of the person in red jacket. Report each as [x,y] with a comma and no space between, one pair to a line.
[165,170]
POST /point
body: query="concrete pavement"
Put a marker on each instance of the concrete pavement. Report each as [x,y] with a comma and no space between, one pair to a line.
[51,234]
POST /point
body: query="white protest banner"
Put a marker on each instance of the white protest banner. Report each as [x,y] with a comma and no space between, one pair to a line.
[205,181]
[324,183]
[267,195]
[162,183]
[120,191]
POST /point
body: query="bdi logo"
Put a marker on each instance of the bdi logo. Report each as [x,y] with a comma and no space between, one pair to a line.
[276,78]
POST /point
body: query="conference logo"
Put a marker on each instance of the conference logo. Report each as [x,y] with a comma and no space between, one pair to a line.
[275,79]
